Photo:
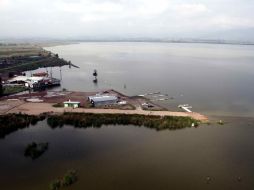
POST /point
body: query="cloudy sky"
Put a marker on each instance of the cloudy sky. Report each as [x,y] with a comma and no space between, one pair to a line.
[217,19]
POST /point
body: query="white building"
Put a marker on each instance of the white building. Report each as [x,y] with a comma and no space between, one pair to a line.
[72,104]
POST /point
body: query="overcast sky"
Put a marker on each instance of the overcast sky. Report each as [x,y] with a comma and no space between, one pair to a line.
[127,18]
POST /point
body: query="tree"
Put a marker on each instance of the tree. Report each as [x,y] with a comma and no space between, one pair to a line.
[11,74]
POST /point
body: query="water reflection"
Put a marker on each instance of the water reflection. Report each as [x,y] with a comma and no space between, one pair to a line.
[128,157]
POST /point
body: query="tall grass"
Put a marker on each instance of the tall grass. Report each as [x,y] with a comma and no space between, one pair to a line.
[12,122]
[68,179]
[35,150]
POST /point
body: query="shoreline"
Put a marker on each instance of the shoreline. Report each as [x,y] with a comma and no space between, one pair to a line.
[13,121]
[40,108]
[49,99]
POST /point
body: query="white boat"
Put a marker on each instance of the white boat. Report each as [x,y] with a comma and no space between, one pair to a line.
[122,103]
[185,107]
[152,93]
[162,99]
[34,100]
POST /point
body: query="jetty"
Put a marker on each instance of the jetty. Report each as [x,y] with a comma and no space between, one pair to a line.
[186,107]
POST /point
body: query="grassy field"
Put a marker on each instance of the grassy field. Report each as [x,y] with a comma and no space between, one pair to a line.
[7,90]
[33,65]
[19,57]
[8,50]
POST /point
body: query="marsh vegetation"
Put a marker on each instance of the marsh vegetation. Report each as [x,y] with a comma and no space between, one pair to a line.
[35,150]
[68,179]
[12,122]
[97,120]
[8,90]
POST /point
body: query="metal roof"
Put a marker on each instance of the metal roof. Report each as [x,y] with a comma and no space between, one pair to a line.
[25,78]
[102,98]
[35,79]
[19,78]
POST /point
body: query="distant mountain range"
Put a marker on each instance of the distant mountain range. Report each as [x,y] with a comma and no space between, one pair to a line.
[133,39]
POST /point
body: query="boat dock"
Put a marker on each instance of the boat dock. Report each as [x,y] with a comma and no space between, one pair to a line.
[186,107]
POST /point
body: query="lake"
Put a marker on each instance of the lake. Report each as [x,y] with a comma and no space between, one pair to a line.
[216,80]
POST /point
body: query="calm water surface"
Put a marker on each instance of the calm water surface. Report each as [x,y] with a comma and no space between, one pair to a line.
[129,157]
[214,79]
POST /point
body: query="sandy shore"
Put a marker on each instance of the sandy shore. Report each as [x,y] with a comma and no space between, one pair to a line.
[38,108]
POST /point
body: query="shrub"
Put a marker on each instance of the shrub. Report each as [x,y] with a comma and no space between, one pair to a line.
[55,185]
[35,150]
[12,122]
[58,105]
[69,178]
[97,120]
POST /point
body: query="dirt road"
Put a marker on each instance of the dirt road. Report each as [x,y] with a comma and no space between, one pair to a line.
[38,108]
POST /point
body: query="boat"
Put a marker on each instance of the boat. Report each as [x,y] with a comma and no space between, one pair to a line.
[185,107]
[34,100]
[160,95]
[152,93]
[41,74]
[95,73]
[160,99]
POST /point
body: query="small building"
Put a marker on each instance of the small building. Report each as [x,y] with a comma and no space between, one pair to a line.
[102,100]
[122,103]
[72,104]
